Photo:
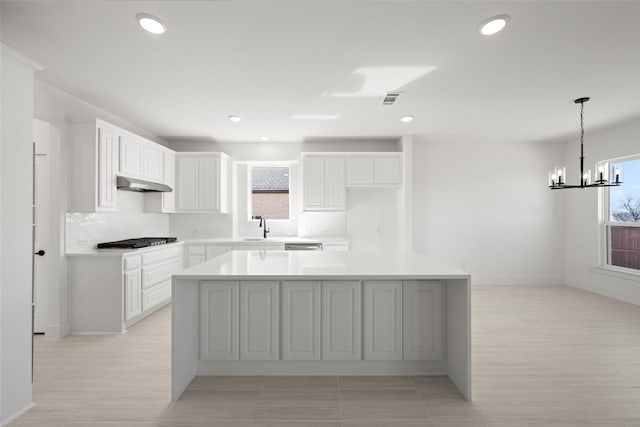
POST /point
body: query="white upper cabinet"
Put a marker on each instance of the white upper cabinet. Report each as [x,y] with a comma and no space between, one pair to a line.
[360,170]
[153,164]
[323,183]
[107,168]
[374,169]
[141,159]
[164,202]
[93,164]
[131,162]
[387,169]
[187,182]
[169,171]
[98,152]
[201,182]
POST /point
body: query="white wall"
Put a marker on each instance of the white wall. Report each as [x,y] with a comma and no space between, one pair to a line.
[16,196]
[84,230]
[582,229]
[372,218]
[486,208]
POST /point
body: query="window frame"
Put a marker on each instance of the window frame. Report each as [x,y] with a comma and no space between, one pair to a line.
[605,223]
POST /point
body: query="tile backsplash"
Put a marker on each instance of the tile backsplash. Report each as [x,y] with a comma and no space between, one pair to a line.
[84,230]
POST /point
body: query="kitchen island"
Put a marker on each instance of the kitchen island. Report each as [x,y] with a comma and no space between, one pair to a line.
[321,313]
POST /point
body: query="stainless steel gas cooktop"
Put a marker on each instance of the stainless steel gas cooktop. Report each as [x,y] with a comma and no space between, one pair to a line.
[141,242]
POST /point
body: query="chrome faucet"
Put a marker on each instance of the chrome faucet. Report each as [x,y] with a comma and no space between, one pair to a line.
[263,224]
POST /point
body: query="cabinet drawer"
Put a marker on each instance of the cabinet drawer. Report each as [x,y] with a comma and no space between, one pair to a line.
[132,262]
[165,253]
[196,250]
[156,295]
[158,273]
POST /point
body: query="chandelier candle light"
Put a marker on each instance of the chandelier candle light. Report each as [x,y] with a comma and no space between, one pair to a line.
[557,177]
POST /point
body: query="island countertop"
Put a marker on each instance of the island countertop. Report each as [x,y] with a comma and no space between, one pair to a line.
[302,265]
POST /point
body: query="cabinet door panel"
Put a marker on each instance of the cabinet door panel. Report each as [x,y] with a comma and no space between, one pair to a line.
[214,251]
[208,184]
[388,170]
[169,173]
[156,295]
[422,320]
[153,164]
[301,320]
[133,294]
[107,168]
[383,320]
[259,320]
[341,321]
[131,157]
[219,320]
[313,183]
[335,190]
[195,260]
[187,183]
[360,170]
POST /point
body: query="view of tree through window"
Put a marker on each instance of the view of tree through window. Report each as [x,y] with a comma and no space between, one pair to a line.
[623,226]
[270,191]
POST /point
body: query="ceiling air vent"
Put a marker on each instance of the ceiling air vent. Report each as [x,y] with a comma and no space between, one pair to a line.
[390,98]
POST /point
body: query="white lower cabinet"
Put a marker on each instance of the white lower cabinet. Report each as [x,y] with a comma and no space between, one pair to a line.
[301,320]
[422,320]
[259,320]
[341,320]
[335,246]
[383,320]
[314,321]
[147,280]
[197,254]
[219,320]
[213,251]
[132,293]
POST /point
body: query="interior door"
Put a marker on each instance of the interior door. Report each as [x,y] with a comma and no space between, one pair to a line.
[40,226]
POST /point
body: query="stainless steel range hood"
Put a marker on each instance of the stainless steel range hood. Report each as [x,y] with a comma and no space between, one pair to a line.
[140,185]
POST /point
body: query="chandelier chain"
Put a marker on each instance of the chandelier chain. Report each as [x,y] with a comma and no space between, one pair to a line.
[581,122]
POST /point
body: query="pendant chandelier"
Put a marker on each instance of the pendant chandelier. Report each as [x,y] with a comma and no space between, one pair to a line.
[557,177]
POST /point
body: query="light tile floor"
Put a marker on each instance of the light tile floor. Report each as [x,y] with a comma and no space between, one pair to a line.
[543,356]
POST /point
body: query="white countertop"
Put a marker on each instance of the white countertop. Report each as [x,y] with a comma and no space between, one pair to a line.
[305,265]
[120,252]
[274,239]
[238,241]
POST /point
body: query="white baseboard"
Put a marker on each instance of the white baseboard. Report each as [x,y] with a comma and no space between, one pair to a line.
[18,414]
[622,290]
[56,332]
[320,367]
[516,280]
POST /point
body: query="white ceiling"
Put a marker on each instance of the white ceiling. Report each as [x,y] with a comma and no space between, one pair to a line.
[268,60]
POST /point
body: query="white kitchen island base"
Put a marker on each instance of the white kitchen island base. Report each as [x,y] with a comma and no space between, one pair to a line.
[315,313]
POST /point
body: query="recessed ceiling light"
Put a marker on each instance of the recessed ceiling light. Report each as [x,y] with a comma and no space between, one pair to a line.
[234,118]
[151,23]
[406,119]
[264,138]
[494,24]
